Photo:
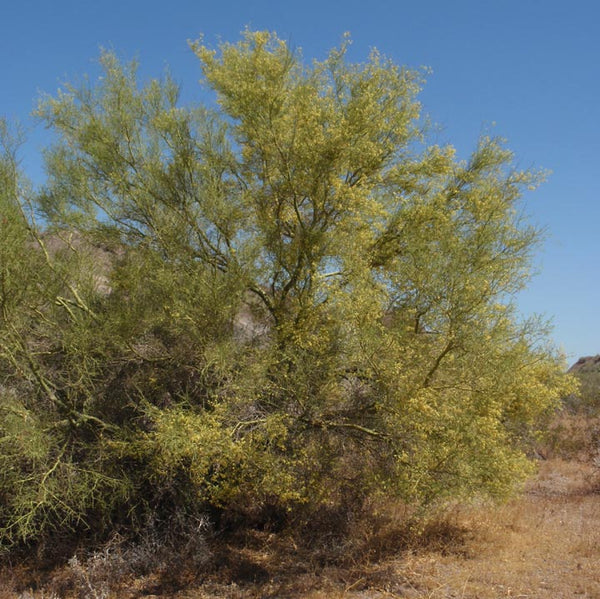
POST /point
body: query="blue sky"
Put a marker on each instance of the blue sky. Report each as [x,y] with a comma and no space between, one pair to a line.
[531,68]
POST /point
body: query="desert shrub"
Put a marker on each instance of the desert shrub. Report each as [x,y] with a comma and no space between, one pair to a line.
[289,304]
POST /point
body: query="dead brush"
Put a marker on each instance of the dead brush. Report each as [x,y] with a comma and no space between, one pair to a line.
[378,531]
[572,435]
[163,551]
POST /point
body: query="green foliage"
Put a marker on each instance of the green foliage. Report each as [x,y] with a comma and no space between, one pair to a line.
[290,301]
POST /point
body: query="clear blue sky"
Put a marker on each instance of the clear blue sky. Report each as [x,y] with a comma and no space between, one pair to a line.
[531,67]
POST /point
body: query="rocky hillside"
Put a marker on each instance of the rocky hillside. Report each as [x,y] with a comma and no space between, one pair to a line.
[587,370]
[586,364]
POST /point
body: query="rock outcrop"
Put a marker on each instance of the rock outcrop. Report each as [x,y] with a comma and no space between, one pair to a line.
[586,364]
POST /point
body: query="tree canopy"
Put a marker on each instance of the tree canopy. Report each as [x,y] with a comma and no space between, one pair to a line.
[288,298]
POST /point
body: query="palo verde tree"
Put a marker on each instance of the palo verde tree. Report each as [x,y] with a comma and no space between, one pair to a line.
[299,302]
[44,485]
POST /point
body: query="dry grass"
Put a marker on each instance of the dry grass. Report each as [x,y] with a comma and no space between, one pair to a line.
[575,436]
[543,545]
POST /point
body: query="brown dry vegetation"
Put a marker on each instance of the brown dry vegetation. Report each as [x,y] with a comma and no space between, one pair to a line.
[544,544]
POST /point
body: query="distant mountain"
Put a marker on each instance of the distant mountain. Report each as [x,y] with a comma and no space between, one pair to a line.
[587,370]
[586,364]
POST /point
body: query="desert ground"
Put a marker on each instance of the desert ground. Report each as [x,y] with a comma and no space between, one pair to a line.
[543,544]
